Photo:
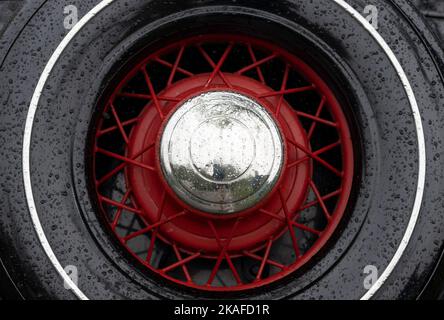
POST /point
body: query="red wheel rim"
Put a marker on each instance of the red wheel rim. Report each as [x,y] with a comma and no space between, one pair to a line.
[250,248]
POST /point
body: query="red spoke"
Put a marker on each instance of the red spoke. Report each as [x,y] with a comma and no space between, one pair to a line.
[120,205]
[327,148]
[151,247]
[207,57]
[321,201]
[326,197]
[256,64]
[213,65]
[113,128]
[305,228]
[142,96]
[122,165]
[315,157]
[162,205]
[316,153]
[119,123]
[224,248]
[120,209]
[264,260]
[273,215]
[287,91]
[317,119]
[184,266]
[270,262]
[215,270]
[225,254]
[283,86]
[318,114]
[168,64]
[233,269]
[297,162]
[175,66]
[153,226]
[218,67]
[148,97]
[181,262]
[258,68]
[153,93]
[125,159]
[290,225]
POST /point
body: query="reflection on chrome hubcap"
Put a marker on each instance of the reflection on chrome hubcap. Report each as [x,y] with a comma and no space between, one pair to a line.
[221,152]
[222,149]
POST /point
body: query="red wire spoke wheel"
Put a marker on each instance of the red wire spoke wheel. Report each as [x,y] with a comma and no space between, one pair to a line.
[222,162]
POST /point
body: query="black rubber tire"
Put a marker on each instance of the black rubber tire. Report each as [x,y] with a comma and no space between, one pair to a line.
[387,133]
[433,11]
[9,11]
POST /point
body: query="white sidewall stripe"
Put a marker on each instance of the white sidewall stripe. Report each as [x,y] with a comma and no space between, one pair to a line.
[103,4]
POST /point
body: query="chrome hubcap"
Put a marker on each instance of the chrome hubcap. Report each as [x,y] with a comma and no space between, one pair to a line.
[221,152]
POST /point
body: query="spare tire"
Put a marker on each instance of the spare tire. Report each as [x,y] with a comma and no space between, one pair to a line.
[222,149]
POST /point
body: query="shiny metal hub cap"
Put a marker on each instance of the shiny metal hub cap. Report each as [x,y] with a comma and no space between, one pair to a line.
[221,152]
